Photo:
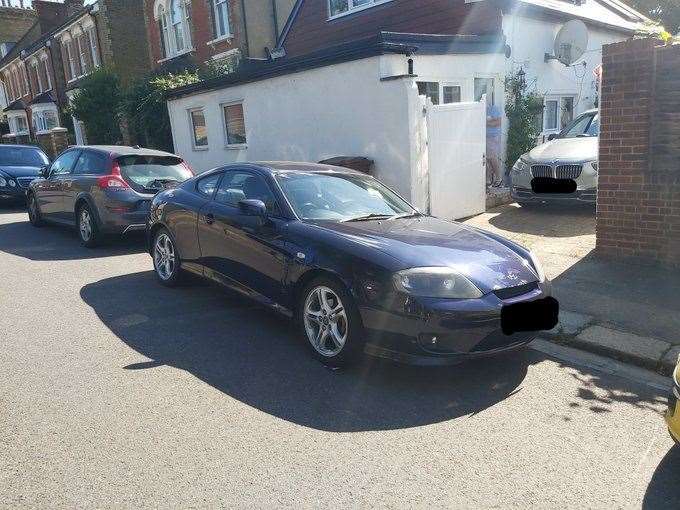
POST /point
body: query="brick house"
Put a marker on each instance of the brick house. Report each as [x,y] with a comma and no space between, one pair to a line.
[182,33]
[43,71]
[27,75]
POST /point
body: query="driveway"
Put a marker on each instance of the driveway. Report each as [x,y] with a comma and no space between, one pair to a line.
[118,392]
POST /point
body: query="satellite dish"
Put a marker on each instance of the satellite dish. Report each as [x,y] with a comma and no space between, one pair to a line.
[571,43]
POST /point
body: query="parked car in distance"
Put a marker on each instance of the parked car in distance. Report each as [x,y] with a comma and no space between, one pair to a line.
[19,166]
[564,169]
[672,415]
[103,189]
[355,265]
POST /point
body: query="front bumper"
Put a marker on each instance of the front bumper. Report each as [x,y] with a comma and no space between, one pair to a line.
[424,331]
[13,194]
[521,194]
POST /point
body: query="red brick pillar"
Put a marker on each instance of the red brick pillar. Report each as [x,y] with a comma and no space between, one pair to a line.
[638,202]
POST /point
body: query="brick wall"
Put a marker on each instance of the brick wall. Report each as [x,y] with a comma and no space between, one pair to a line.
[638,205]
[14,23]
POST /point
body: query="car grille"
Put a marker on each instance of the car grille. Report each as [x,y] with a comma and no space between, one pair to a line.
[24,182]
[568,171]
[512,292]
[559,172]
[541,171]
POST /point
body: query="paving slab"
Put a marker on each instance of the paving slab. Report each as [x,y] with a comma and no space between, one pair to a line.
[641,350]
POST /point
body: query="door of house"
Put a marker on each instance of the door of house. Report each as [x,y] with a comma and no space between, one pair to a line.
[456,148]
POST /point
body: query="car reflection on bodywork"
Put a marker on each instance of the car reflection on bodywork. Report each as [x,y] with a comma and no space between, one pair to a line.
[355,265]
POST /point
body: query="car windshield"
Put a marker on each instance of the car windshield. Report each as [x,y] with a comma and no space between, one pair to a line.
[22,156]
[153,172]
[341,197]
[584,126]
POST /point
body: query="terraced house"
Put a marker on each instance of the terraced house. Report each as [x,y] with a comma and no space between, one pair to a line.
[185,33]
[44,71]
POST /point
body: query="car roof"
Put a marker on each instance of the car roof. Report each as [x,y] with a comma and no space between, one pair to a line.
[123,150]
[19,146]
[278,167]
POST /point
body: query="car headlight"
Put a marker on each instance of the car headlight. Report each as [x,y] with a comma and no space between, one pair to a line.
[536,265]
[3,182]
[11,183]
[436,282]
[520,166]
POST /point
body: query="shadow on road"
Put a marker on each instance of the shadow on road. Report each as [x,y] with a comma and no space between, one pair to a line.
[254,356]
[12,208]
[51,243]
[552,220]
[663,491]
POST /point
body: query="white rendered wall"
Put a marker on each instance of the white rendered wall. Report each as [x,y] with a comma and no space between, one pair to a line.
[339,110]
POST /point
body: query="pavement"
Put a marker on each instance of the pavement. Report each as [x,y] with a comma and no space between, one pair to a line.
[627,311]
[118,392]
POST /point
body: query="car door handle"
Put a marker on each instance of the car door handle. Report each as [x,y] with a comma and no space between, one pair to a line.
[210,218]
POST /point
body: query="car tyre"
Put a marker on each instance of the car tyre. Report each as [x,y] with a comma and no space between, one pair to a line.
[166,260]
[88,230]
[34,216]
[330,323]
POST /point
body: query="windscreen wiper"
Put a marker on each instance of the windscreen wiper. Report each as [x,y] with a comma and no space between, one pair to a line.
[406,215]
[368,217]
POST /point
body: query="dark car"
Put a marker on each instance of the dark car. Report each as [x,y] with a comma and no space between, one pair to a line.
[19,166]
[356,266]
[103,189]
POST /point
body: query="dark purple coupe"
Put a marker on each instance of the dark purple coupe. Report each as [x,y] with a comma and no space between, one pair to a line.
[356,266]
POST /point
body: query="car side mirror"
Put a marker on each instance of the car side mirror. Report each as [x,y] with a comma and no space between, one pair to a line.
[552,136]
[253,208]
[45,171]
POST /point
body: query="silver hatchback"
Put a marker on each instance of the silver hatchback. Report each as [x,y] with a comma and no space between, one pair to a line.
[562,170]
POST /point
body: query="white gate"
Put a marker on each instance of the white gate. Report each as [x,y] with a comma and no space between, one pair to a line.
[457,147]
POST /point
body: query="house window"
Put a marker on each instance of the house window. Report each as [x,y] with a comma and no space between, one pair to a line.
[451,94]
[429,89]
[45,70]
[340,7]
[221,18]
[71,60]
[82,54]
[485,86]
[37,80]
[177,22]
[558,112]
[18,125]
[94,48]
[199,129]
[234,124]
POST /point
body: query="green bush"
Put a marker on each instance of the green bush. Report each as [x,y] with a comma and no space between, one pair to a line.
[97,104]
[146,109]
[522,109]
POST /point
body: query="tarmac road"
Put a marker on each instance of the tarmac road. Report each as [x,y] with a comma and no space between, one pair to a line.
[117,392]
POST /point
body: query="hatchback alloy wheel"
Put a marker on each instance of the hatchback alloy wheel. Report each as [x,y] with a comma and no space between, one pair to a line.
[326,323]
[85,225]
[164,257]
[33,212]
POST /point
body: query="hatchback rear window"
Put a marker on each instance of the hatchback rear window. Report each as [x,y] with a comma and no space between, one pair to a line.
[153,173]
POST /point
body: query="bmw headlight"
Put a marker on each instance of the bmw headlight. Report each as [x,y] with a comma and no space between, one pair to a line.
[3,182]
[436,282]
[536,265]
[11,183]
[594,165]
[520,166]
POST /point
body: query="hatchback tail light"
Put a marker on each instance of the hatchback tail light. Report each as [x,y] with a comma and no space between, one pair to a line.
[114,180]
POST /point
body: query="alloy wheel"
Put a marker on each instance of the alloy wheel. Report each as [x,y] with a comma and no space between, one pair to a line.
[164,257]
[85,224]
[325,320]
[32,209]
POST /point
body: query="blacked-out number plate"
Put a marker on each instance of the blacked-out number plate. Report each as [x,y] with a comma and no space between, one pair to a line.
[539,315]
[550,185]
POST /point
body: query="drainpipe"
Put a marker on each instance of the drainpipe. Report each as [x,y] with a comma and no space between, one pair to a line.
[276,21]
[245,27]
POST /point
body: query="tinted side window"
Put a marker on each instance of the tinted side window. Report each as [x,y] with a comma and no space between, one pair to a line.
[207,185]
[64,163]
[237,186]
[92,163]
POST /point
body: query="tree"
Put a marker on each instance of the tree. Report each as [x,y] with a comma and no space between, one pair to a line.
[664,12]
[96,105]
[522,108]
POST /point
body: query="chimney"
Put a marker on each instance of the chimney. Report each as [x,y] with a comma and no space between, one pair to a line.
[73,6]
[50,14]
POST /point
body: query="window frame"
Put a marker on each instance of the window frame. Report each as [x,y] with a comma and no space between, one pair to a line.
[70,170]
[227,145]
[192,129]
[351,8]
[217,36]
[278,213]
[452,84]
[557,98]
